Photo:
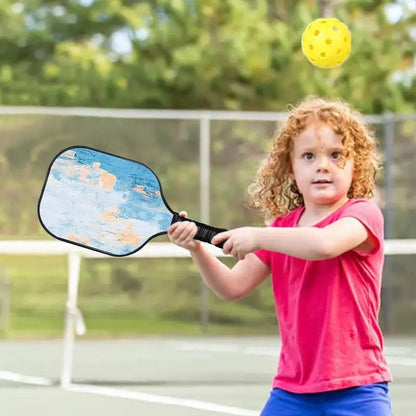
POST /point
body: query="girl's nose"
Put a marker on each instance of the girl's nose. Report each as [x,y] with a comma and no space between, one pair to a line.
[322,163]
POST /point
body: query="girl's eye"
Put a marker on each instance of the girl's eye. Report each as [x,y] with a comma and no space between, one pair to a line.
[336,155]
[308,156]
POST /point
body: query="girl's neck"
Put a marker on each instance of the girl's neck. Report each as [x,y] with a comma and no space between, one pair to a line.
[314,213]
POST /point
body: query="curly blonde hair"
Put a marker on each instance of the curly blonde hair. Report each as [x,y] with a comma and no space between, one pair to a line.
[275,193]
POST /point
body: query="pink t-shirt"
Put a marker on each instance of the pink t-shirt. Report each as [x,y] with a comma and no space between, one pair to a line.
[327,310]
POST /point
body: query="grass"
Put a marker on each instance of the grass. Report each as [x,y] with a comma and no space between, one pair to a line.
[120,298]
[132,297]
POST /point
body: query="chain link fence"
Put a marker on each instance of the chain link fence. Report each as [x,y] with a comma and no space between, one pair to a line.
[205,161]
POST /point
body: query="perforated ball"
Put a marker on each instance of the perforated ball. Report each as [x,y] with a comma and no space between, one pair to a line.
[326,42]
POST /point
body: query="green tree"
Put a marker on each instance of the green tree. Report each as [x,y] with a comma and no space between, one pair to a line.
[222,54]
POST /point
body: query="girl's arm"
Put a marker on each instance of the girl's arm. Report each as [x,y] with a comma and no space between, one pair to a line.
[228,284]
[309,243]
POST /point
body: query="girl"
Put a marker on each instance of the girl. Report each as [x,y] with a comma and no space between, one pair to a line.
[324,251]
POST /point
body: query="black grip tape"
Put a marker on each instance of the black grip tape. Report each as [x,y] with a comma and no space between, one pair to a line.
[204,233]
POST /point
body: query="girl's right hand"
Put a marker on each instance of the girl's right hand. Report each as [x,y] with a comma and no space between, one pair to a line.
[182,233]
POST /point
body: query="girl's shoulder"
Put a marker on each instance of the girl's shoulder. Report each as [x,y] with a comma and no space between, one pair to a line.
[365,204]
[290,219]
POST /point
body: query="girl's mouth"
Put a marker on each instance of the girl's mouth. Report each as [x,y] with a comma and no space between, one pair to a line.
[321,182]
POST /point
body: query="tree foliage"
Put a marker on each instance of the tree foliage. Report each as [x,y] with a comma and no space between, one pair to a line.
[221,54]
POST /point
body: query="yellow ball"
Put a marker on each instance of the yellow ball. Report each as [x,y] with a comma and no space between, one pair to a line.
[326,42]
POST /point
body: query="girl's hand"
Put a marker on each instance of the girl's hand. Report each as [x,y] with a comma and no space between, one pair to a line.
[239,241]
[182,233]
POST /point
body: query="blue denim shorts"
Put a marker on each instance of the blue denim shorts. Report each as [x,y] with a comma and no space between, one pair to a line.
[367,400]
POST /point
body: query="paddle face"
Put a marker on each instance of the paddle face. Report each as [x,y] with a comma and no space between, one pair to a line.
[102,202]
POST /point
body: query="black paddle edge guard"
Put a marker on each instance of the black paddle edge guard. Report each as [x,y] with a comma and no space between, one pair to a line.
[205,232]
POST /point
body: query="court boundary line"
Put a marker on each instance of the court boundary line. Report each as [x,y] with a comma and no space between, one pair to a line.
[394,355]
[129,394]
[24,379]
[160,399]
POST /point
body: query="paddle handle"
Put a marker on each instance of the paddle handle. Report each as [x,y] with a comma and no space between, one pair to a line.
[204,233]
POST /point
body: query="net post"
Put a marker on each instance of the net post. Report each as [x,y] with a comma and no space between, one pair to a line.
[388,136]
[74,266]
[204,160]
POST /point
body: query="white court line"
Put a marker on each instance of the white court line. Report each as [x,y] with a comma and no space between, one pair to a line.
[153,398]
[229,348]
[129,394]
[20,378]
[394,355]
[391,349]
[406,361]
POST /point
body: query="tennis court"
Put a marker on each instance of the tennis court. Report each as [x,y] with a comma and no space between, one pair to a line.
[157,375]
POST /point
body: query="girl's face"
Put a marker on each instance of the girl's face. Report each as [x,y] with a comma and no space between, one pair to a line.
[320,176]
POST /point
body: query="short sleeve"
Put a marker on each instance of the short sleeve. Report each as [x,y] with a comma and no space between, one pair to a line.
[370,215]
[264,256]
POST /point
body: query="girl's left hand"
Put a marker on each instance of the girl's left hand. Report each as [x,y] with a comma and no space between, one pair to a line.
[239,241]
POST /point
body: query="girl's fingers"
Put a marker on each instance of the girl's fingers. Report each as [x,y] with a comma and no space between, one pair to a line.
[182,232]
[220,237]
[188,233]
[174,229]
[227,248]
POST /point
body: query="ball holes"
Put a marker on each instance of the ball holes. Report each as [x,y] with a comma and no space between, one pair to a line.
[323,54]
[338,51]
[311,47]
[328,41]
[334,28]
[316,33]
